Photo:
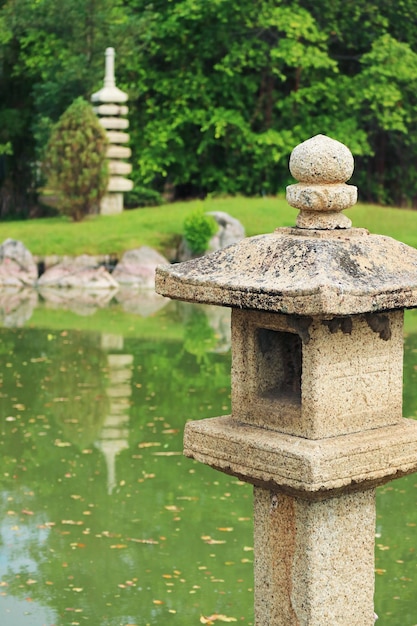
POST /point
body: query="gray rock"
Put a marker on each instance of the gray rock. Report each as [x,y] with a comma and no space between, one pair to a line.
[137,268]
[230,231]
[80,273]
[17,267]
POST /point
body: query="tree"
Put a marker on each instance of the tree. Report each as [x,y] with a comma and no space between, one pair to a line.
[211,74]
[220,91]
[76,164]
[50,53]
[227,89]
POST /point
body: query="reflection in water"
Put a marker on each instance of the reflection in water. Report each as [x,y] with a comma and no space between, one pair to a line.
[82,542]
[76,385]
[207,328]
[143,303]
[16,306]
[114,433]
[161,540]
[80,301]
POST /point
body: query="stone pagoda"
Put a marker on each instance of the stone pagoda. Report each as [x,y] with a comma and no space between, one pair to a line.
[316,421]
[112,115]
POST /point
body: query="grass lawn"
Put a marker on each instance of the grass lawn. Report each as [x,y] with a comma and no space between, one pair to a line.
[160,227]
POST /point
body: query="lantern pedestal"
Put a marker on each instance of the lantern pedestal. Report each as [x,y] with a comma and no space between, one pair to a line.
[310,555]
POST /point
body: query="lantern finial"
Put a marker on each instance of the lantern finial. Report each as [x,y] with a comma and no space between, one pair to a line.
[322,166]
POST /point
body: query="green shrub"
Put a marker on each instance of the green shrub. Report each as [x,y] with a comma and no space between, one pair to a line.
[141,197]
[75,164]
[199,228]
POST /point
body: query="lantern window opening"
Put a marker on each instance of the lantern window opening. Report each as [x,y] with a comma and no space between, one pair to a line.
[279,366]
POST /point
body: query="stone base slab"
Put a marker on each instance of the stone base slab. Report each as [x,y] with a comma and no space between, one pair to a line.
[302,467]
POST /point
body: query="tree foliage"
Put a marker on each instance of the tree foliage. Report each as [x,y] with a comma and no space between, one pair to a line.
[220,91]
[75,161]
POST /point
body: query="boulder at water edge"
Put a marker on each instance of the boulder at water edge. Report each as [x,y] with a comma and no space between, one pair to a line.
[137,268]
[230,231]
[17,267]
[82,272]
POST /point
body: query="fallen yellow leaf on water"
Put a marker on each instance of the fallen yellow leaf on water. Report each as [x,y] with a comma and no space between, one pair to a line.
[171,453]
[216,617]
[210,541]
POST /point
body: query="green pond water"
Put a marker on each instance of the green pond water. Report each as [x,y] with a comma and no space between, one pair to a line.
[103,521]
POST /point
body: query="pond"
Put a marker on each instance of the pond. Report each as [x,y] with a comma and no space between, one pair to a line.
[103,521]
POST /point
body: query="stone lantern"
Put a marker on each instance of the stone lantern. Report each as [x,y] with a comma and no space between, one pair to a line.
[112,116]
[316,422]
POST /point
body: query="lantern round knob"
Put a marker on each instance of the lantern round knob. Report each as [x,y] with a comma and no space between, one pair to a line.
[321,160]
[322,166]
